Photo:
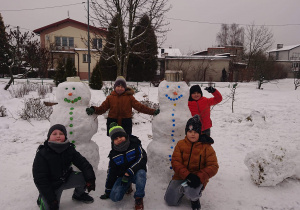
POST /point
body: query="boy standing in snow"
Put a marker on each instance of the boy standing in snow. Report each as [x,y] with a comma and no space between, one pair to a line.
[127,164]
[201,105]
[194,161]
[52,171]
[120,103]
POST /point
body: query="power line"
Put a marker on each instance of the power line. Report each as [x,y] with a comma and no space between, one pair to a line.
[216,23]
[19,10]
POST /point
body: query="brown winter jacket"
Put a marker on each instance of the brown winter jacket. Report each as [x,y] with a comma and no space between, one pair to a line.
[198,158]
[120,106]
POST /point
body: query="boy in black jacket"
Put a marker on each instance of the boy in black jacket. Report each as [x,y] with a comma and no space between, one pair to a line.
[127,165]
[52,171]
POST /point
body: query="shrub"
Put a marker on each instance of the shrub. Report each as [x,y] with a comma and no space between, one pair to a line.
[44,89]
[34,108]
[18,91]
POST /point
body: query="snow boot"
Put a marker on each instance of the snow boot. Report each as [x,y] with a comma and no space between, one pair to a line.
[196,205]
[139,205]
[85,198]
[129,189]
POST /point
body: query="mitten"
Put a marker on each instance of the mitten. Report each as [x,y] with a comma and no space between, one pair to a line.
[105,196]
[90,185]
[90,110]
[193,180]
[54,205]
[210,89]
[156,112]
[125,180]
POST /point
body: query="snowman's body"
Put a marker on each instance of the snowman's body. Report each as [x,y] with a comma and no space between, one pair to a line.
[73,98]
[168,127]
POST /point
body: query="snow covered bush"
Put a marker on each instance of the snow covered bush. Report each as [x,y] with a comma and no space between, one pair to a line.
[3,111]
[35,108]
[19,90]
[43,90]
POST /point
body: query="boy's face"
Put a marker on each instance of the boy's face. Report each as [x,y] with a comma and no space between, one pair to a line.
[192,135]
[57,136]
[119,140]
[196,96]
[120,89]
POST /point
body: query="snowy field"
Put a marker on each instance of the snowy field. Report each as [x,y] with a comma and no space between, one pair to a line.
[275,119]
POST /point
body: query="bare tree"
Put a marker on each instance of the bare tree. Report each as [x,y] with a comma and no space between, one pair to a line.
[258,40]
[231,35]
[129,13]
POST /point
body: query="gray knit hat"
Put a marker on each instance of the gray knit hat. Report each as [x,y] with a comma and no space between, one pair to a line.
[120,81]
[57,127]
[116,131]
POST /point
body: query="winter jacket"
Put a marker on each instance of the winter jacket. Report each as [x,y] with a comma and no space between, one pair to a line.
[202,108]
[198,158]
[120,108]
[50,169]
[129,161]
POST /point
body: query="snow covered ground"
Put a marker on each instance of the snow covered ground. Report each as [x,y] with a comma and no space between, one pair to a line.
[275,119]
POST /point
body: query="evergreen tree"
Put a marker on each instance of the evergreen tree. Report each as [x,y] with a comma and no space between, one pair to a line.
[143,64]
[96,78]
[112,50]
[4,49]
[60,73]
[70,68]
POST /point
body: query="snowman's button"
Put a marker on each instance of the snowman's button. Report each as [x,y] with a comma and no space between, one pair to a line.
[173,140]
[71,118]
[72,108]
[173,125]
[71,125]
[170,155]
[71,132]
[171,167]
[174,104]
[70,113]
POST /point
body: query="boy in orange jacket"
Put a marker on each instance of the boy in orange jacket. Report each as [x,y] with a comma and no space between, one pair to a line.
[194,161]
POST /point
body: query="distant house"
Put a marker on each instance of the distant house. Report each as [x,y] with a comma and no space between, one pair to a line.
[68,38]
[288,56]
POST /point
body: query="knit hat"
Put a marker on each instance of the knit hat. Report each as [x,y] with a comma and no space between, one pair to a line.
[116,131]
[120,81]
[57,127]
[193,124]
[193,89]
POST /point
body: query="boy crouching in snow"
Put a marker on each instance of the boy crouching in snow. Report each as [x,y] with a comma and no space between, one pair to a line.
[52,171]
[194,161]
[127,164]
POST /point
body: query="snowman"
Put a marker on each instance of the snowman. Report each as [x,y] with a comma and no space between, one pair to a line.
[73,98]
[168,127]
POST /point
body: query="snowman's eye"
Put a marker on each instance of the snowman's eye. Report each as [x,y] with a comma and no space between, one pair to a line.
[167,86]
[66,88]
[73,88]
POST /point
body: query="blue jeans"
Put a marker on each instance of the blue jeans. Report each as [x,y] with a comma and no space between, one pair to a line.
[139,179]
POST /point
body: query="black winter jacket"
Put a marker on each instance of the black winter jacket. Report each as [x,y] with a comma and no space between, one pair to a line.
[50,169]
[129,161]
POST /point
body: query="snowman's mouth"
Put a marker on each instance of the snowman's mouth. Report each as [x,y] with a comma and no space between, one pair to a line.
[72,101]
[173,99]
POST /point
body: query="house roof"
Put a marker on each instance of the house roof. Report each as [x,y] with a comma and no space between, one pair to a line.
[290,47]
[169,52]
[67,20]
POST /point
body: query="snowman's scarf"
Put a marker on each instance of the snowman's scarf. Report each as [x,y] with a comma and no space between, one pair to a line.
[59,147]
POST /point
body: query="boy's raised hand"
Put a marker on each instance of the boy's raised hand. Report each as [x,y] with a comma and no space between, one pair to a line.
[90,110]
[210,89]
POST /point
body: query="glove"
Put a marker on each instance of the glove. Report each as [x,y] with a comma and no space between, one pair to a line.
[156,112]
[105,196]
[210,89]
[193,180]
[125,180]
[90,110]
[90,185]
[54,205]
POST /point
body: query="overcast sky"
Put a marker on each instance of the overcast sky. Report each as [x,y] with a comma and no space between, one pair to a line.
[193,23]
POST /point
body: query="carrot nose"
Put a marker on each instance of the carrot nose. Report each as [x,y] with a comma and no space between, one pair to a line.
[70,94]
[175,93]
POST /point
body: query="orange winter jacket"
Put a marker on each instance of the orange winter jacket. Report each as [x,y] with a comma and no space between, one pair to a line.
[198,158]
[120,106]
[202,108]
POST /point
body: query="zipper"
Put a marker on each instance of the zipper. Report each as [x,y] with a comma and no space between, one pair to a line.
[190,156]
[199,162]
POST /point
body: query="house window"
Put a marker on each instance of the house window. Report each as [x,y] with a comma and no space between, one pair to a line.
[85,58]
[62,41]
[97,43]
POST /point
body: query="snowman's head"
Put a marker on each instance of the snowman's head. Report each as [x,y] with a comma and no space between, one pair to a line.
[73,93]
[172,92]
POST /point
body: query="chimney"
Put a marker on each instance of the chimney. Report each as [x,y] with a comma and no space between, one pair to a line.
[279,46]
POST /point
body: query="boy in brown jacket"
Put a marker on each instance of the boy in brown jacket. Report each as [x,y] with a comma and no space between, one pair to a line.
[120,103]
[194,161]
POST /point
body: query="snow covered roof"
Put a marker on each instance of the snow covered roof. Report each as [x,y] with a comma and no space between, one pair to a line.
[289,47]
[162,52]
[209,57]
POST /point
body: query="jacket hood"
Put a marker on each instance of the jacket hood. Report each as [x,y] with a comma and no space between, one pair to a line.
[128,91]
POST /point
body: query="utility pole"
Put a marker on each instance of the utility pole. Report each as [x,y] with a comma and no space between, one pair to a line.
[89,53]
